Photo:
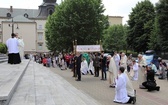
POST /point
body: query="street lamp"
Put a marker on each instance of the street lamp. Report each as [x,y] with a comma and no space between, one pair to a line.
[11,10]
[13,26]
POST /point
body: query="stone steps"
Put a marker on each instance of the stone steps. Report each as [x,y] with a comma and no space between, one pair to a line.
[9,79]
[3,58]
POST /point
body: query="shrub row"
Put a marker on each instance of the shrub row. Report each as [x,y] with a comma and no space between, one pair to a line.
[3,48]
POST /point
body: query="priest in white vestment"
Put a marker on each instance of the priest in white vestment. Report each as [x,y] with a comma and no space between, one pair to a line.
[21,47]
[123,61]
[113,72]
[135,69]
[63,64]
[116,59]
[141,71]
[91,67]
[84,67]
[129,86]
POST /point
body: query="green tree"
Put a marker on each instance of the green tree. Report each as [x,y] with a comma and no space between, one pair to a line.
[155,40]
[140,23]
[80,20]
[162,16]
[114,38]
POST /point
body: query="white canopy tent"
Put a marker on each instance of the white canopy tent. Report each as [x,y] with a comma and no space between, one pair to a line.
[89,48]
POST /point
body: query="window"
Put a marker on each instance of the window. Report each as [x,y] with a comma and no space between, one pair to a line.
[40,46]
[8,15]
[26,15]
[40,27]
[40,36]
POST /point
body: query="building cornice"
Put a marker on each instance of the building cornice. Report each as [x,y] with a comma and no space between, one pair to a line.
[115,16]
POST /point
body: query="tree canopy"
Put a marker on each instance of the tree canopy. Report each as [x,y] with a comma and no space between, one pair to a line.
[114,38]
[140,24]
[80,20]
[162,18]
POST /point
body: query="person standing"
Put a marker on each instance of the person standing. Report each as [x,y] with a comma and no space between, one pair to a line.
[162,69]
[56,60]
[121,95]
[135,69]
[103,66]
[91,67]
[123,61]
[129,63]
[74,65]
[117,59]
[96,64]
[78,66]
[21,46]
[141,71]
[112,71]
[13,51]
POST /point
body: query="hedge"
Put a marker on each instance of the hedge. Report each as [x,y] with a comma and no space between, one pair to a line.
[3,48]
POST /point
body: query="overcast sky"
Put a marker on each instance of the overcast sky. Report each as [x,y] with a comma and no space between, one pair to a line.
[113,7]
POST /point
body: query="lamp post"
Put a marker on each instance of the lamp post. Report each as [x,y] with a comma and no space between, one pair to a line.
[13,25]
[11,10]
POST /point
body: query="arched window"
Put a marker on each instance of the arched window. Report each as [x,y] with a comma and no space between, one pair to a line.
[8,15]
[26,15]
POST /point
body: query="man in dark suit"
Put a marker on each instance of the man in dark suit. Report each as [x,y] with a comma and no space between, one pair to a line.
[78,66]
[96,64]
[103,66]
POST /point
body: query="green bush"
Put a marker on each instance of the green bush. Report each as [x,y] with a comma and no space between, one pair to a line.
[3,48]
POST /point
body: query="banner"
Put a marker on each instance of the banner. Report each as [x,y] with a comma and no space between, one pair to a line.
[88,48]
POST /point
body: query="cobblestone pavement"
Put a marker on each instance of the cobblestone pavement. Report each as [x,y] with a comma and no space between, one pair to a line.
[100,91]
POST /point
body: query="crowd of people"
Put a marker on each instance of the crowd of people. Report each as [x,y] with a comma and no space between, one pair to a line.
[134,70]
[122,70]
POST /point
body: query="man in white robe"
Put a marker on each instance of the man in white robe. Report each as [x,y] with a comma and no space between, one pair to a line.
[63,65]
[123,61]
[60,56]
[112,71]
[116,59]
[21,46]
[129,86]
[91,67]
[135,69]
[141,71]
[84,67]
[121,95]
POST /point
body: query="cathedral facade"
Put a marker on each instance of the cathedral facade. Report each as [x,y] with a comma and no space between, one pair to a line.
[30,25]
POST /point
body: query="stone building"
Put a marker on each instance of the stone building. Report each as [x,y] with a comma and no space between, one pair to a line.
[30,24]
